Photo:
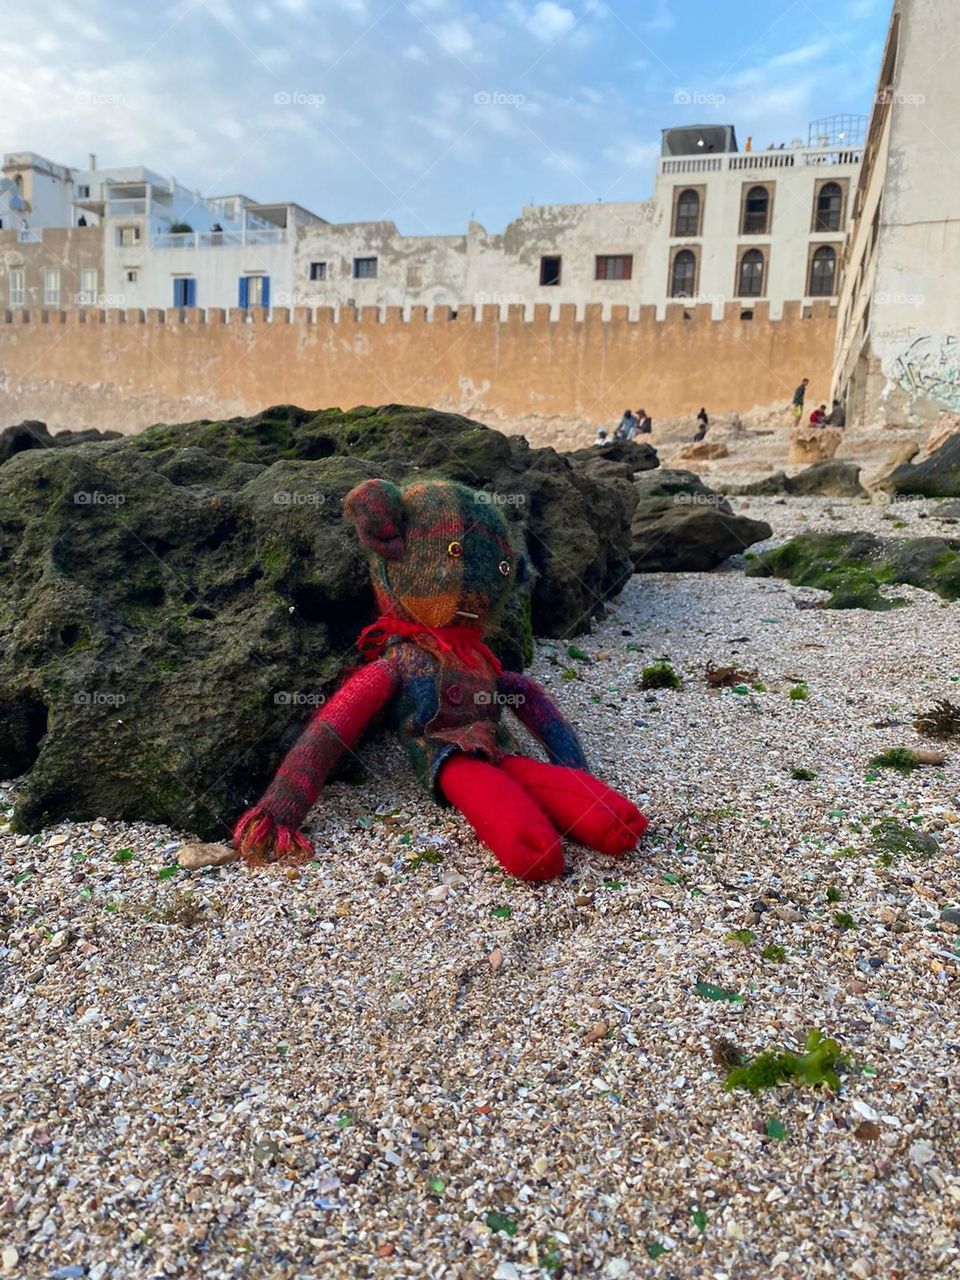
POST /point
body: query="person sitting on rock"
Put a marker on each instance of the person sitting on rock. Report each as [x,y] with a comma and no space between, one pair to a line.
[626,426]
[601,437]
[702,423]
[819,416]
[838,415]
[644,423]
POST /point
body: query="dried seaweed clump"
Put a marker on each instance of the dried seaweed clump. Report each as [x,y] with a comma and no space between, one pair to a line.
[942,721]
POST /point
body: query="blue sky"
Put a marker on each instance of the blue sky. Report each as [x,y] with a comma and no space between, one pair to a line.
[425,112]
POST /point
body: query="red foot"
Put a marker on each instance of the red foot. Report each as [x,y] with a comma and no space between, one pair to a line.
[261,842]
[514,828]
[579,805]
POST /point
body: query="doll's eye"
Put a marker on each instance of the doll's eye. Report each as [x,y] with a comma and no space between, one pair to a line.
[455,549]
[504,567]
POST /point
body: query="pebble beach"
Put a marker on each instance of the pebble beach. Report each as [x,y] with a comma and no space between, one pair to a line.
[395,1061]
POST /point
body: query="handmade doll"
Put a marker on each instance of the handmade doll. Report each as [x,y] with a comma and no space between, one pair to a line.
[443,567]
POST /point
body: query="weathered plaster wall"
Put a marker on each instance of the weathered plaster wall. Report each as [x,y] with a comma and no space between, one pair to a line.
[124,370]
[70,250]
[903,362]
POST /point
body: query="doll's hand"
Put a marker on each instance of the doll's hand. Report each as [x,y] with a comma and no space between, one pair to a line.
[261,841]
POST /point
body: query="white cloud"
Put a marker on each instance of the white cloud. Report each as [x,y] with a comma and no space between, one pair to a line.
[550,21]
[454,37]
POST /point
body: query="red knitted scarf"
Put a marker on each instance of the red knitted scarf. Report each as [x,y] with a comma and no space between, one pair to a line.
[464,644]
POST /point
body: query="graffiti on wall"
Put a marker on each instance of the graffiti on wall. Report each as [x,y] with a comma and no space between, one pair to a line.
[930,367]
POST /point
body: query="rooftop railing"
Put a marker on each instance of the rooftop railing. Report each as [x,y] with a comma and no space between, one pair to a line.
[217,239]
[796,158]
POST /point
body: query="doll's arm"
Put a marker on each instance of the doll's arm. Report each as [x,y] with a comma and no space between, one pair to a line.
[535,709]
[270,830]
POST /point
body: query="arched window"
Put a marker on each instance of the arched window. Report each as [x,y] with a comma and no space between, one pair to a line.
[683,275]
[756,212]
[750,275]
[829,207]
[823,271]
[686,221]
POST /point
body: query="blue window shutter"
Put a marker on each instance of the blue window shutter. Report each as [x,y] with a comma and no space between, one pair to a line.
[191,292]
[266,291]
[243,291]
[176,293]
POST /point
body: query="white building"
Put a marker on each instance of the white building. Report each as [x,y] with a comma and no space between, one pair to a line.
[722,225]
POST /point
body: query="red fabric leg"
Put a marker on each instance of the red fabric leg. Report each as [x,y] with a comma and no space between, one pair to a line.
[510,823]
[579,805]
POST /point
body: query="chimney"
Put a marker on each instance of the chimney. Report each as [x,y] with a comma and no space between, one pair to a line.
[92,162]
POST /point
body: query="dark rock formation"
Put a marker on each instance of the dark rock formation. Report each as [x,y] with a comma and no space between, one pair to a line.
[174,605]
[935,477]
[828,479]
[679,524]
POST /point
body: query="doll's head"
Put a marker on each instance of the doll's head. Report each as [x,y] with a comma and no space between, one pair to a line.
[440,553]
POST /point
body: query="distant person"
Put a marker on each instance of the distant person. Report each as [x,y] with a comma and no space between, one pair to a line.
[81,221]
[796,405]
[838,415]
[819,416]
[626,427]
[702,423]
[601,437]
[644,423]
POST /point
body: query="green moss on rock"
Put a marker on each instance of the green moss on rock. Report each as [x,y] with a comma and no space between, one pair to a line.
[854,566]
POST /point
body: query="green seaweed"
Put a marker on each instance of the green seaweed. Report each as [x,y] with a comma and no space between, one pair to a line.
[660,675]
[817,1066]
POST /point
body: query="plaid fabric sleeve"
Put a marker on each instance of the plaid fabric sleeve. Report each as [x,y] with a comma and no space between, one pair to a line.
[537,711]
[333,729]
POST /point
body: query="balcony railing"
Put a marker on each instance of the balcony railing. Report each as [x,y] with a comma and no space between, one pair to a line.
[801,157]
[692,164]
[126,208]
[217,239]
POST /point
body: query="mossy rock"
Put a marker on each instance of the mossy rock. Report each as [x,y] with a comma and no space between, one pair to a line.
[854,566]
[173,605]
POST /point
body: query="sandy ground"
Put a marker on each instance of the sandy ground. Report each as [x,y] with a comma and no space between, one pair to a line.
[400,1063]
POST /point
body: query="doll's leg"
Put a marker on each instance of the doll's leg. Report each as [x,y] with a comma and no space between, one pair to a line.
[508,821]
[578,804]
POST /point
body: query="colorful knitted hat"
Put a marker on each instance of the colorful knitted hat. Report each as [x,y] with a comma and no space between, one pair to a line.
[441,552]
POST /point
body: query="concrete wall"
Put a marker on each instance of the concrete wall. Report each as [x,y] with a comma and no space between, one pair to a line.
[898,351]
[125,370]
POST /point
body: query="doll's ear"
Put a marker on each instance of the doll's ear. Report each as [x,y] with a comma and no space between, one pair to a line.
[376,508]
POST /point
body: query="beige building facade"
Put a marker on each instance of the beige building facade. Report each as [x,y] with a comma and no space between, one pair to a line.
[898,342]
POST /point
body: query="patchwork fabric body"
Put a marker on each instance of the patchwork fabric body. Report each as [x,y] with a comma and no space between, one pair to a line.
[444,705]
